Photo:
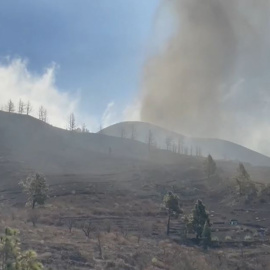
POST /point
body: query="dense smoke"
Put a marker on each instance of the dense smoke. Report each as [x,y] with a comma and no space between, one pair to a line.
[212,77]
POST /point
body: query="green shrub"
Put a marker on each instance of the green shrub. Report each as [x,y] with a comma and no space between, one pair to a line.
[247,238]
[215,239]
[228,238]
[12,258]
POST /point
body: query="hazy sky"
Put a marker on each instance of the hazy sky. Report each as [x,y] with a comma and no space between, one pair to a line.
[106,61]
[84,56]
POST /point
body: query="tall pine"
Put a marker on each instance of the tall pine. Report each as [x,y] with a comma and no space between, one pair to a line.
[210,166]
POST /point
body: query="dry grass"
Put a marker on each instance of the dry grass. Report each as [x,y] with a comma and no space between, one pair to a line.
[123,222]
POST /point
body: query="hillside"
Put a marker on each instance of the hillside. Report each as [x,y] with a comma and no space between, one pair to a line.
[219,149]
[40,146]
[118,194]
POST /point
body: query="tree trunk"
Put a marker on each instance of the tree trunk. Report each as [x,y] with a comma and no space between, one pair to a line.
[34,203]
[168,224]
[100,247]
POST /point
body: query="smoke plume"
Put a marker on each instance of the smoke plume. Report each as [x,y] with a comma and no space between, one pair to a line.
[212,77]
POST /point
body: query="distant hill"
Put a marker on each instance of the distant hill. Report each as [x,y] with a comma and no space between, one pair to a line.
[219,149]
[39,146]
[28,144]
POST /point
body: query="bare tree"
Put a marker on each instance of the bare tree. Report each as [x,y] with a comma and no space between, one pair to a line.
[124,230]
[100,129]
[42,114]
[108,226]
[133,132]
[180,146]
[21,107]
[84,129]
[150,139]
[72,122]
[174,147]
[45,119]
[28,107]
[33,216]
[191,150]
[87,228]
[168,142]
[10,106]
[198,151]
[70,224]
[99,245]
[123,132]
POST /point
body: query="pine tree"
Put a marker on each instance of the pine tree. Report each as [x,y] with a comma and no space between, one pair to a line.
[10,249]
[12,258]
[28,108]
[206,234]
[210,166]
[36,189]
[246,187]
[29,261]
[242,173]
[198,218]
[10,106]
[21,107]
[171,202]
[71,122]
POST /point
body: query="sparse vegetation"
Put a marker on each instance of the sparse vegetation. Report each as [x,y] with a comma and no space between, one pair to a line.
[120,223]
